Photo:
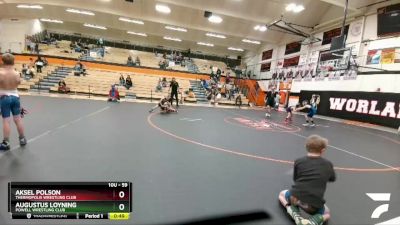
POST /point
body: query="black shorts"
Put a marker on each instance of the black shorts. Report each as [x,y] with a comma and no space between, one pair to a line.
[271,102]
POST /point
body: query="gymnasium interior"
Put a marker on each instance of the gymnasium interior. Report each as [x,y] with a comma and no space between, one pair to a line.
[96,78]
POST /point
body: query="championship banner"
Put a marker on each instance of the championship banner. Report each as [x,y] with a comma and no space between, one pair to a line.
[369,107]
[374,56]
[388,55]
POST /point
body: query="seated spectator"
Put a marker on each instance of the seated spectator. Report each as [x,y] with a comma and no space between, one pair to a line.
[137,61]
[79,69]
[121,80]
[62,87]
[24,69]
[164,82]
[113,95]
[30,73]
[45,62]
[159,86]
[223,91]
[128,82]
[130,62]
[39,65]
[31,63]
[191,94]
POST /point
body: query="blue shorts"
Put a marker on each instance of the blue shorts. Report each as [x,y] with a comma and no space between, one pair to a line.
[312,112]
[10,104]
[287,197]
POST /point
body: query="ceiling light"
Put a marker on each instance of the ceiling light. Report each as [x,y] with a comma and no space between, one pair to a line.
[298,8]
[294,8]
[95,26]
[215,19]
[163,9]
[51,21]
[261,28]
[29,6]
[290,7]
[139,34]
[251,42]
[205,44]
[172,39]
[236,49]
[131,20]
[176,28]
[216,35]
[80,12]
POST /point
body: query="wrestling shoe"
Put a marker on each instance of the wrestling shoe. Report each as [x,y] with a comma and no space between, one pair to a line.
[23,141]
[316,219]
[312,125]
[5,146]
[306,124]
[267,115]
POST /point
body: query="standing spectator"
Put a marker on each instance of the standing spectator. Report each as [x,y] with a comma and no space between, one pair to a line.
[31,62]
[174,85]
[39,65]
[121,80]
[37,48]
[10,102]
[128,82]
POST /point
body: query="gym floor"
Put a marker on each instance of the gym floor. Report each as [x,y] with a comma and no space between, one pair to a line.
[198,163]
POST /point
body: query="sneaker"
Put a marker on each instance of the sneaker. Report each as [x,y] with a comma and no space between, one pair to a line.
[5,146]
[306,124]
[312,125]
[23,141]
[294,212]
[267,115]
[316,219]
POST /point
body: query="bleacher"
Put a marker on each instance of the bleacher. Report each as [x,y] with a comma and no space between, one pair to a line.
[27,84]
[98,82]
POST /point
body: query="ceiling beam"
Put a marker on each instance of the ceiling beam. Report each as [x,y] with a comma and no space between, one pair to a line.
[339,4]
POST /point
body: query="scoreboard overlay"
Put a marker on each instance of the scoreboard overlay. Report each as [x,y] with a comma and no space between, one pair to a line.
[70,200]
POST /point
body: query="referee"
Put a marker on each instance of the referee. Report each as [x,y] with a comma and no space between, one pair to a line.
[174,91]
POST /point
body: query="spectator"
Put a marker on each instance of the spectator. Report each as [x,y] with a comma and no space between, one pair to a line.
[62,87]
[31,62]
[37,48]
[174,85]
[39,65]
[137,61]
[24,69]
[45,62]
[159,86]
[130,62]
[228,78]
[79,69]
[128,82]
[121,80]
[30,73]
[113,94]
[164,82]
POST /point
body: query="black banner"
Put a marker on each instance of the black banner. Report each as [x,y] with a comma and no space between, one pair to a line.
[328,35]
[267,55]
[294,61]
[369,107]
[266,67]
[292,48]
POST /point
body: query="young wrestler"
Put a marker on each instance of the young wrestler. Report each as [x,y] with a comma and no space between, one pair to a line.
[312,110]
[311,175]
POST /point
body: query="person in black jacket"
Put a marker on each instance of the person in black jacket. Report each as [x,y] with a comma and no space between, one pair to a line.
[174,86]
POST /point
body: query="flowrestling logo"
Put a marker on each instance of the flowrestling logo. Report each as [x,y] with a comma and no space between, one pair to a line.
[369,107]
[383,208]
